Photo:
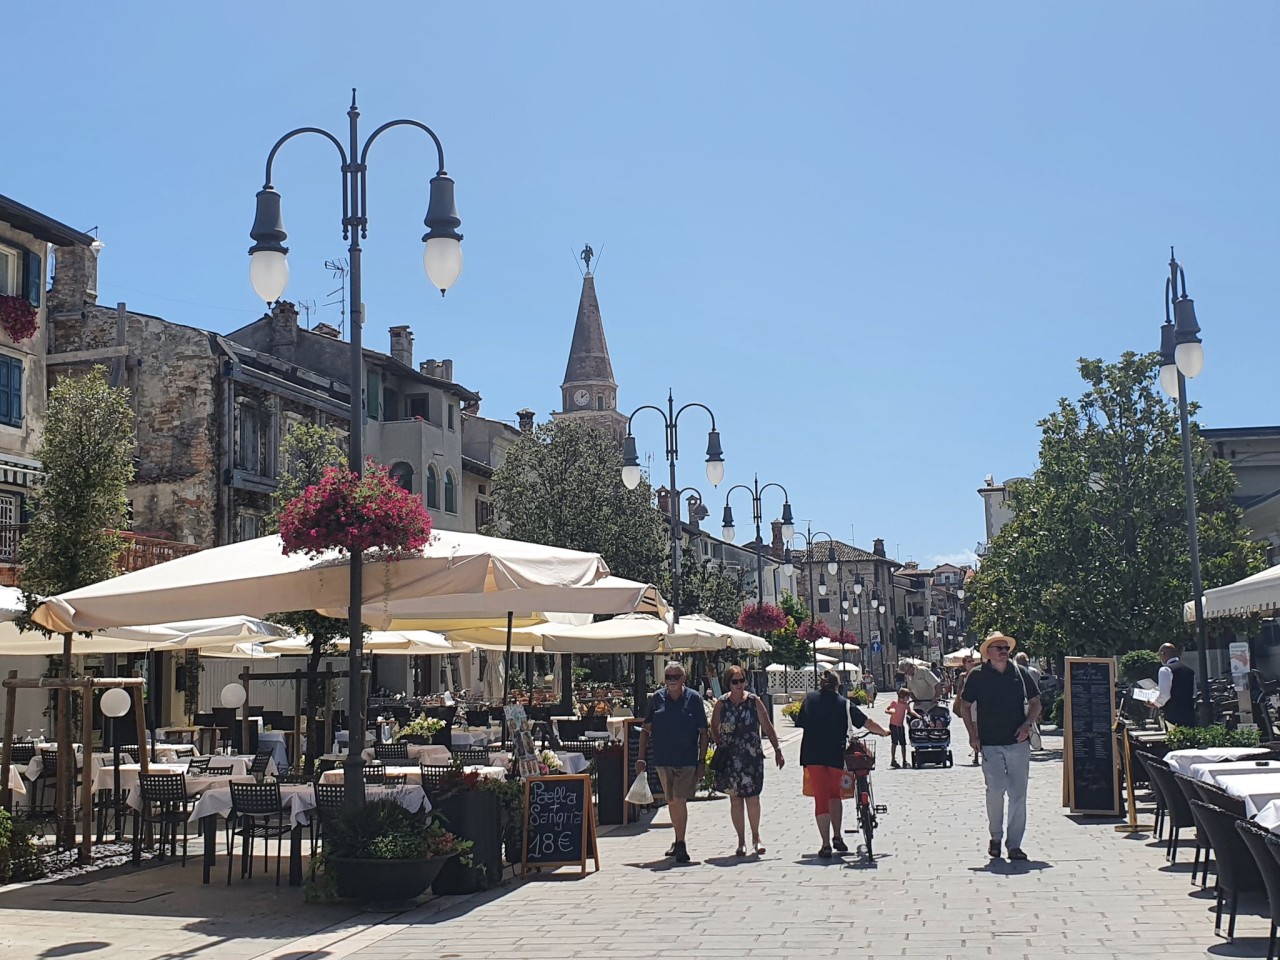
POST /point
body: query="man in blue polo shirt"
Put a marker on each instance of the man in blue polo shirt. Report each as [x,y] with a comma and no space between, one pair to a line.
[677,723]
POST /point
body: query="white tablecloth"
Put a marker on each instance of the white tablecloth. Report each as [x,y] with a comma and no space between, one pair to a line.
[275,739]
[97,761]
[418,753]
[1210,772]
[172,752]
[414,774]
[1181,761]
[1256,790]
[16,783]
[297,799]
[463,739]
[105,779]
[572,762]
[1269,816]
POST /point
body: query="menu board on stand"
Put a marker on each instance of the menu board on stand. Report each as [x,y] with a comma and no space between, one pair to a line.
[630,754]
[524,759]
[1090,768]
[559,823]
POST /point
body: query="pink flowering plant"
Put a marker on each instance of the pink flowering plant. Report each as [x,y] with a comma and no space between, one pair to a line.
[812,630]
[762,618]
[353,514]
[18,318]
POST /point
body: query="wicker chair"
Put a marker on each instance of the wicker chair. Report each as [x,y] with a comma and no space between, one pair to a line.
[1212,793]
[1265,847]
[1237,871]
[256,811]
[396,752]
[1144,760]
[1177,810]
[1189,792]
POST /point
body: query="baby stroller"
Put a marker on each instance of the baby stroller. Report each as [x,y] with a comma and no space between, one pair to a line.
[930,737]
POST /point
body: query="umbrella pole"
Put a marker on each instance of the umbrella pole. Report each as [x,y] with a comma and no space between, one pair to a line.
[506,672]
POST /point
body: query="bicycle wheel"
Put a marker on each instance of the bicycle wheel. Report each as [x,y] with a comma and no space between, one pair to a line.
[866,814]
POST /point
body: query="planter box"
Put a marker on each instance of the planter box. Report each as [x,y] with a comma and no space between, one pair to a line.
[611,786]
[474,815]
[384,880]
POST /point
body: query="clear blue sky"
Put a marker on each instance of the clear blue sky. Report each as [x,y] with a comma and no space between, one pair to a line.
[874,238]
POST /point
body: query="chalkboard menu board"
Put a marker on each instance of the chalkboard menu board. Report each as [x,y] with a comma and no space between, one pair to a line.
[559,823]
[631,755]
[1089,761]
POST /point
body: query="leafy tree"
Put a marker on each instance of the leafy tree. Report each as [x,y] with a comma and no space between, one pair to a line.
[1095,560]
[788,649]
[903,635]
[304,455]
[561,485]
[709,588]
[78,506]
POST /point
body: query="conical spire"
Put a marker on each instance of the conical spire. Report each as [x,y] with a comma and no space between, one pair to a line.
[589,352]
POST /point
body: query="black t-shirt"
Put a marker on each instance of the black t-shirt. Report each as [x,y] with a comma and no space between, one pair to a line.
[999,695]
[825,724]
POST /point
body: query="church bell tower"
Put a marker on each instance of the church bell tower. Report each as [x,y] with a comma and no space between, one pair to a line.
[589,391]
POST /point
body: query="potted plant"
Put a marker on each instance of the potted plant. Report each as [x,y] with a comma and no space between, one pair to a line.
[380,851]
[762,618]
[422,729]
[485,812]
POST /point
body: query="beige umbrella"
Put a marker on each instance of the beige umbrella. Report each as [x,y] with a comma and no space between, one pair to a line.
[635,633]
[734,638]
[459,572]
[177,637]
[409,643]
[956,657]
[240,651]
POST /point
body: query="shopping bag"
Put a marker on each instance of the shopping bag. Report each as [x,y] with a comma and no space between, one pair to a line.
[640,794]
[848,785]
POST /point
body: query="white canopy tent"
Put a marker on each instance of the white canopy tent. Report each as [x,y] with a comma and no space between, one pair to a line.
[1259,593]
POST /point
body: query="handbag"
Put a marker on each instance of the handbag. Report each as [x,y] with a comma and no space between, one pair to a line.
[719,760]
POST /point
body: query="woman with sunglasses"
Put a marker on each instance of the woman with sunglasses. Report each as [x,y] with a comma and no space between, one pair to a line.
[736,723]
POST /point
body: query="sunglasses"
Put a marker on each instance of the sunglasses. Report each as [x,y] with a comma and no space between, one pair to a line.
[738,680]
[998,649]
[675,677]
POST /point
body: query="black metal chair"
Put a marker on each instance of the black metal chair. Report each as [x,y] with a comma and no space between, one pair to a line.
[571,729]
[48,776]
[395,753]
[256,812]
[198,767]
[165,804]
[1237,871]
[395,779]
[1187,786]
[1265,847]
[477,718]
[471,756]
[329,800]
[433,777]
[375,773]
[261,760]
[585,747]
[1144,760]
[22,752]
[1176,807]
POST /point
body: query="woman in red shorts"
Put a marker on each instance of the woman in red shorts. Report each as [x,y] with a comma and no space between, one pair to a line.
[825,719]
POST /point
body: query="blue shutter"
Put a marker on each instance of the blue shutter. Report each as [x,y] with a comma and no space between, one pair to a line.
[15,392]
[5,414]
[32,277]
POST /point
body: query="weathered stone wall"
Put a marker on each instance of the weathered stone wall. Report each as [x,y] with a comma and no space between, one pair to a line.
[23,441]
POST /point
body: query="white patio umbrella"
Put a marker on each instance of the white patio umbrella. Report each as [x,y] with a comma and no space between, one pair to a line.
[775,668]
[846,666]
[459,572]
[734,638]
[176,637]
[633,633]
[409,643]
[240,651]
[956,657]
[1259,593]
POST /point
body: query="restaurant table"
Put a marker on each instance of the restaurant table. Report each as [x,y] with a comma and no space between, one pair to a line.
[174,752]
[462,739]
[573,762]
[16,784]
[274,739]
[418,753]
[97,761]
[1211,772]
[1181,761]
[1256,790]
[105,778]
[414,774]
[1269,816]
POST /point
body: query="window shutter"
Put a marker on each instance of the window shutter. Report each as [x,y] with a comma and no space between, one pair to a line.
[32,277]
[15,391]
[5,416]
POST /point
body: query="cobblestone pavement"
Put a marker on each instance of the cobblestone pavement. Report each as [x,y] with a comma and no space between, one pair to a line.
[1087,892]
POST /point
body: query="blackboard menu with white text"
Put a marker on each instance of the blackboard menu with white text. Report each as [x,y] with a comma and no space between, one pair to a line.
[1093,782]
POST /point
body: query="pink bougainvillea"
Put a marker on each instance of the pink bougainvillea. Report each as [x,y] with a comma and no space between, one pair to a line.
[18,318]
[762,618]
[354,514]
[812,630]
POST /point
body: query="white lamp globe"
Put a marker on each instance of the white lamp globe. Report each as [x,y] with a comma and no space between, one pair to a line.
[631,476]
[233,696]
[115,702]
[269,274]
[788,570]
[727,534]
[788,531]
[1189,358]
[715,472]
[1169,380]
[442,259]
[822,589]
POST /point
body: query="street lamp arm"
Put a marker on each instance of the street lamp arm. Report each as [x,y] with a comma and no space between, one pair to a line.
[785,496]
[364,152]
[271,157]
[695,403]
[736,486]
[648,406]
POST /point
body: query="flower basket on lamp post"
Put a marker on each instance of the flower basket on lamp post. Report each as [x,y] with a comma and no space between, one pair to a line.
[762,619]
[18,318]
[352,514]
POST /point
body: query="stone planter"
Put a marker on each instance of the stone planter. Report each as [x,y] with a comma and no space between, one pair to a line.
[384,880]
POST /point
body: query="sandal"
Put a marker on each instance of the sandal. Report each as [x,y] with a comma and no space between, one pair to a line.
[825,853]
[741,851]
[759,847]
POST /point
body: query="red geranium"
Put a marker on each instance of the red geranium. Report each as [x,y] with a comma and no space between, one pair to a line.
[18,318]
[812,630]
[762,618]
[354,514]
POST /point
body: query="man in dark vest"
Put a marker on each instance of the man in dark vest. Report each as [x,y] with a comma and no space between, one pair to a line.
[1177,696]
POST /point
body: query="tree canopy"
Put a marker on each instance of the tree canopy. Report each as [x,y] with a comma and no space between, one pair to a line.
[1096,558]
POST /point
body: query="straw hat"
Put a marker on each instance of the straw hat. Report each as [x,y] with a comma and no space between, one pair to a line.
[994,636]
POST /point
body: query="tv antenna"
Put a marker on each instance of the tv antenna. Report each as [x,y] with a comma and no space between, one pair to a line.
[339,268]
[307,307]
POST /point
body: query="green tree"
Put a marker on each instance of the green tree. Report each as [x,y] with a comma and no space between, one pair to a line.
[304,455]
[1095,560]
[788,649]
[78,506]
[561,484]
[903,635]
[709,588]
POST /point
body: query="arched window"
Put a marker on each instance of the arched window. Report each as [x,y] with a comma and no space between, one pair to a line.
[402,475]
[450,493]
[433,488]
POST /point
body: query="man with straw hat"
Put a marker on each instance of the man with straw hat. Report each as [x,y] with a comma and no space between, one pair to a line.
[1008,705]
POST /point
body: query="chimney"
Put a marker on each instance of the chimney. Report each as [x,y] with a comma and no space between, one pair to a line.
[664,501]
[878,547]
[471,407]
[440,369]
[697,511]
[327,330]
[402,345]
[526,420]
[75,278]
[284,331]
[776,546]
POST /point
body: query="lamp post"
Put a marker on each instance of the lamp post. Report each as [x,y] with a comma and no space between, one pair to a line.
[1181,359]
[833,566]
[269,274]
[631,479]
[849,606]
[757,515]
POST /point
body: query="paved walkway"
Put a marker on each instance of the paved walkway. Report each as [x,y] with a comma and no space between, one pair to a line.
[1087,892]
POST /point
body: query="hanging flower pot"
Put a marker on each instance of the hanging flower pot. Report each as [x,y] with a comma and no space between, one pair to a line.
[18,318]
[813,630]
[762,618]
[353,514]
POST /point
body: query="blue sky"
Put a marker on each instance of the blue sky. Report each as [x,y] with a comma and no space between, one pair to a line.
[874,238]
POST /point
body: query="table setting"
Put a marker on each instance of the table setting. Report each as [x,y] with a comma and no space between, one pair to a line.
[1255,789]
[414,774]
[1212,772]
[1181,761]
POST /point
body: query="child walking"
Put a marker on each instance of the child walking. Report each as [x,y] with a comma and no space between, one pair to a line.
[898,711]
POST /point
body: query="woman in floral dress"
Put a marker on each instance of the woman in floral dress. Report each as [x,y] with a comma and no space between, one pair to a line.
[736,723]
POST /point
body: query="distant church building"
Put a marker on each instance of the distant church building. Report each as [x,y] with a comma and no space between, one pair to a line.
[589,391]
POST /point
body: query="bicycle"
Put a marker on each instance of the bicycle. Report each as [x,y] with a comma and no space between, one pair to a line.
[860,760]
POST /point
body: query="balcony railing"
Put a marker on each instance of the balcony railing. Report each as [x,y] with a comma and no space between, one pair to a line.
[139,552]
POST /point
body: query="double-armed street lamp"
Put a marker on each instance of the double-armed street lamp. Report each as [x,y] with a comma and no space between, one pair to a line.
[833,567]
[269,274]
[1182,359]
[631,476]
[757,514]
